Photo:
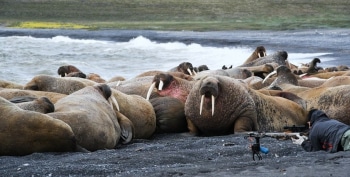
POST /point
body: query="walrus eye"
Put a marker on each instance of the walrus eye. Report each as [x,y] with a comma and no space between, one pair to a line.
[34,87]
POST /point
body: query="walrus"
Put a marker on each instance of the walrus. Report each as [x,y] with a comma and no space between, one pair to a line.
[200,68]
[42,104]
[278,57]
[259,52]
[95,77]
[170,115]
[64,85]
[333,100]
[184,67]
[136,86]
[24,132]
[168,85]
[91,117]
[13,93]
[139,111]
[176,73]
[76,74]
[219,105]
[9,84]
[66,69]
[311,68]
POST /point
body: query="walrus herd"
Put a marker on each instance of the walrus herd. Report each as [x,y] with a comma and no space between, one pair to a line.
[75,111]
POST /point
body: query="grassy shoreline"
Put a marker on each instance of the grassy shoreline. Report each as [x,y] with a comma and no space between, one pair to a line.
[194,15]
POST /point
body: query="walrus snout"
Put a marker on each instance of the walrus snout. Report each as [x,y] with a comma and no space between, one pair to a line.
[208,91]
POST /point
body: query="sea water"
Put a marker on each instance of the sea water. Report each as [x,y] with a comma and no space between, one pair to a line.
[24,56]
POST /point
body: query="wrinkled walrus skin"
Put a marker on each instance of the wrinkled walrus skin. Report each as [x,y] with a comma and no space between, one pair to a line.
[91,117]
[24,132]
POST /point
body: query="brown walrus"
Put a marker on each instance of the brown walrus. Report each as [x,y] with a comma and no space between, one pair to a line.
[259,52]
[139,111]
[91,117]
[24,132]
[13,93]
[184,67]
[64,85]
[219,105]
[42,104]
[9,84]
[67,69]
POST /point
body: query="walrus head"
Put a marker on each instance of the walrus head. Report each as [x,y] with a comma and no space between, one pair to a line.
[66,69]
[105,90]
[260,51]
[186,68]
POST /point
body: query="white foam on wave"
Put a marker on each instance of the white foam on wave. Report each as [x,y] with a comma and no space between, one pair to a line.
[67,39]
[32,56]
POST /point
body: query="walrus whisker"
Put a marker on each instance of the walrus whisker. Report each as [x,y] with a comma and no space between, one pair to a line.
[212,105]
[161,84]
[201,105]
[150,90]
[189,71]
[269,75]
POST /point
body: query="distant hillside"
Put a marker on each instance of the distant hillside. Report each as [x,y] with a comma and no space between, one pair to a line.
[199,15]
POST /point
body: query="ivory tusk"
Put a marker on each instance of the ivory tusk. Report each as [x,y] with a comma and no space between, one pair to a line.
[115,102]
[161,84]
[302,75]
[212,105]
[259,55]
[201,105]
[150,90]
[264,54]
[118,83]
[269,75]
[194,72]
[189,71]
[110,102]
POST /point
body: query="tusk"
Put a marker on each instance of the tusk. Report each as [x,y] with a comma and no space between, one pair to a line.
[161,84]
[115,102]
[150,90]
[302,75]
[118,83]
[201,105]
[269,75]
[194,72]
[259,55]
[264,54]
[110,102]
[212,105]
[65,74]
[189,71]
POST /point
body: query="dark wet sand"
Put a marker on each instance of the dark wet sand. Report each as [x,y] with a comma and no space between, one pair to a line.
[183,155]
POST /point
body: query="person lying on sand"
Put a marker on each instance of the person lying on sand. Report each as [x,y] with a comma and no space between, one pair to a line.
[325,134]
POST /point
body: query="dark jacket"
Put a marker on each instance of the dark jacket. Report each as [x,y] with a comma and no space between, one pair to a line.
[325,133]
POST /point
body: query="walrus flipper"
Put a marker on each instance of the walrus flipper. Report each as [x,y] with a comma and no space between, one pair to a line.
[127,128]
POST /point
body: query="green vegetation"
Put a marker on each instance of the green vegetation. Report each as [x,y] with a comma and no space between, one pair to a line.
[198,15]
